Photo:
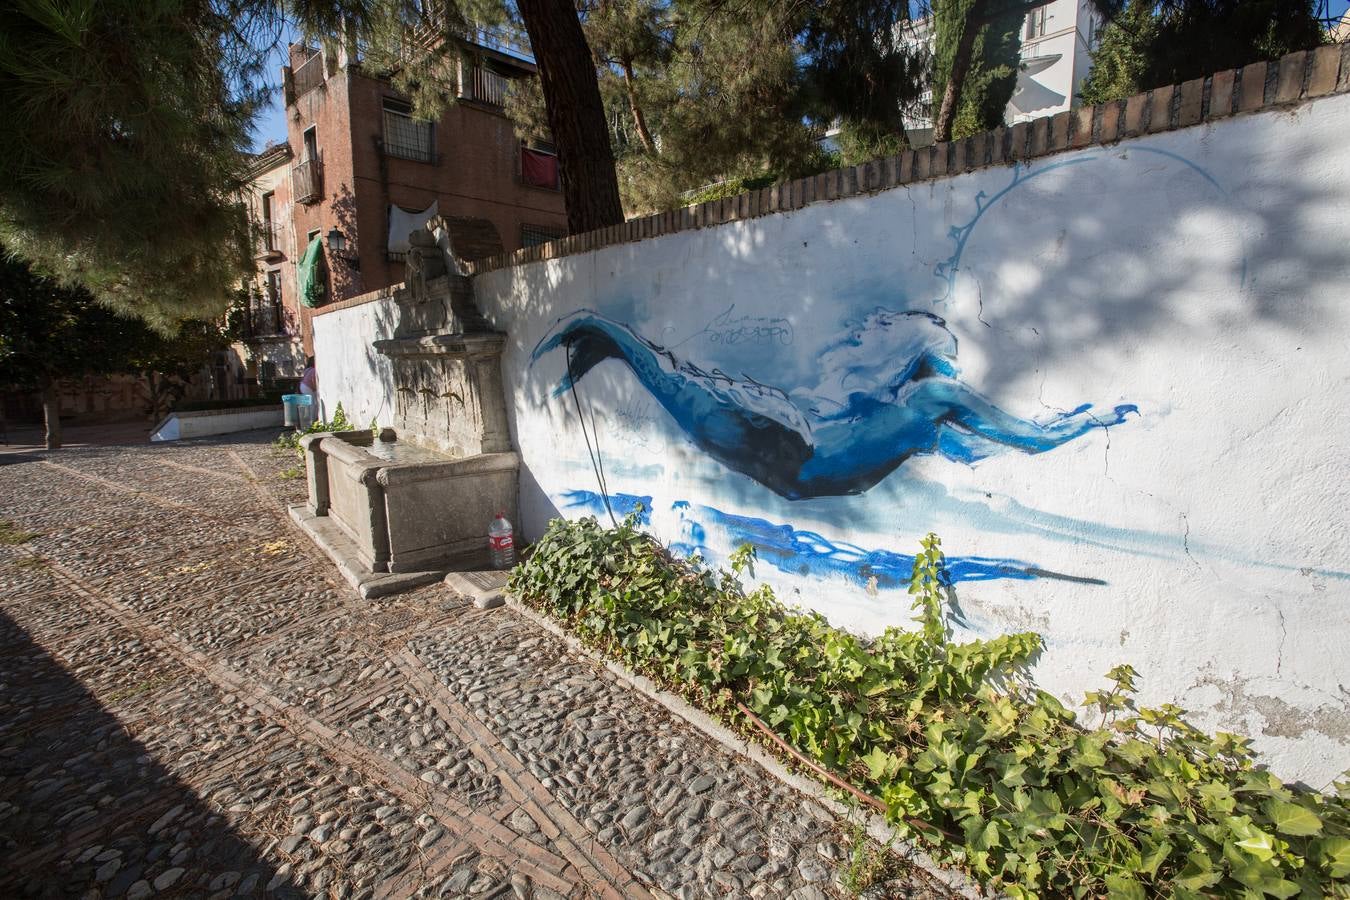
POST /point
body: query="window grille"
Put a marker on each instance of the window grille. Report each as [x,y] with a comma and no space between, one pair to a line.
[406,137]
[534,235]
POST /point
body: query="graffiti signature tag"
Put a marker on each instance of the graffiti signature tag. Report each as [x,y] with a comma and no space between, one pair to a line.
[723,329]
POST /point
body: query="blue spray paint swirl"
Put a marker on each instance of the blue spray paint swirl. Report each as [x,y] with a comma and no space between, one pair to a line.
[795,551]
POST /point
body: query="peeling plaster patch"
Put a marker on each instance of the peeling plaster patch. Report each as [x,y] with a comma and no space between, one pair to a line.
[1283,720]
[1280,719]
[993,619]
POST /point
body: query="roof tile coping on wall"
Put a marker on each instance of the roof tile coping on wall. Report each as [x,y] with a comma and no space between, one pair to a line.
[383,293]
[1296,78]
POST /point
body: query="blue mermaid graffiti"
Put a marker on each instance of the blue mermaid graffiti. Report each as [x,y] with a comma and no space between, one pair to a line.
[888,390]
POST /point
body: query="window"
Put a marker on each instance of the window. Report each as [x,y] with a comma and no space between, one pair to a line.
[406,137]
[534,235]
[539,165]
[269,229]
[274,309]
[1036,20]
[311,143]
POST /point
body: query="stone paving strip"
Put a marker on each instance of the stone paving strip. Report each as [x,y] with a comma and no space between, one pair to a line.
[192,704]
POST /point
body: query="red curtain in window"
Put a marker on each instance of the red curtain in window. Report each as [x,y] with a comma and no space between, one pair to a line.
[538,169]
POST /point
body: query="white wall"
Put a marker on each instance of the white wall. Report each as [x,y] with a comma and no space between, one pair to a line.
[1200,275]
[350,371]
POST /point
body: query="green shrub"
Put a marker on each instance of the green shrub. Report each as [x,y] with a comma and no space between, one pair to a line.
[290,440]
[966,754]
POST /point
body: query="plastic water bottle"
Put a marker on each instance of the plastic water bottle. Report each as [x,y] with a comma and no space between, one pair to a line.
[501,542]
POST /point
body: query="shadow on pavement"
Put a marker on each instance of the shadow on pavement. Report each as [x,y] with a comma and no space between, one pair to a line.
[85,810]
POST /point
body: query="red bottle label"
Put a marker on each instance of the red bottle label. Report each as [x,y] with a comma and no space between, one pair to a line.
[501,542]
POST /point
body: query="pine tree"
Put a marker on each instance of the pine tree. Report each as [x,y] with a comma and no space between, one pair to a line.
[1120,60]
[864,73]
[49,332]
[123,146]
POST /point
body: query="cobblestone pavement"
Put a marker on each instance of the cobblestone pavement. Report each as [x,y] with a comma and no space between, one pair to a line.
[193,704]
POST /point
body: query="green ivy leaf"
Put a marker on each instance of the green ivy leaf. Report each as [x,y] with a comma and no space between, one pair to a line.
[1123,887]
[1290,818]
[1334,854]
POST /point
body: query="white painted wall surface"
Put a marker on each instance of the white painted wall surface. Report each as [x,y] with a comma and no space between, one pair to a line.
[350,371]
[1199,275]
[205,423]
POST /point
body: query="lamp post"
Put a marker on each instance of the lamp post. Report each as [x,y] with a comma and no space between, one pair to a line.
[337,246]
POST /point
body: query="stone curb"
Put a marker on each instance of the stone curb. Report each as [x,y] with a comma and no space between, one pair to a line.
[877,828]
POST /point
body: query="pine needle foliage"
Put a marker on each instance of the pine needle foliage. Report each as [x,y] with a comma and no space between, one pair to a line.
[126,126]
[51,331]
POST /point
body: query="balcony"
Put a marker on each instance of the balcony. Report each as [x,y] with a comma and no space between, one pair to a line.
[485,86]
[307,181]
[308,75]
[265,323]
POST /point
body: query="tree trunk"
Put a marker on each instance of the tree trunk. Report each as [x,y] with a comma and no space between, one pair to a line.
[951,93]
[51,411]
[576,114]
[639,120]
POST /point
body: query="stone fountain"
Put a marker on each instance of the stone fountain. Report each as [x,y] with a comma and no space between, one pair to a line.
[406,506]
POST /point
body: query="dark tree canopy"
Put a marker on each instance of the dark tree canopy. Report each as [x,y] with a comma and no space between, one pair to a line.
[125,129]
[1151,43]
[49,331]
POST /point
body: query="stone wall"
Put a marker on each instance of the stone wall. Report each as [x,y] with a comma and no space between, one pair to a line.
[1110,373]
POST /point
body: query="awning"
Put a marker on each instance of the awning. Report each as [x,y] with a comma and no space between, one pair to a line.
[403,223]
[538,169]
[310,273]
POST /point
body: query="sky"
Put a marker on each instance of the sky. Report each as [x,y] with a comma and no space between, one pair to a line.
[271,126]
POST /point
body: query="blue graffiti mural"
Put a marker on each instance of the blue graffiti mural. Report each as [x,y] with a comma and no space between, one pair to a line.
[799,552]
[888,390]
[621,504]
[796,551]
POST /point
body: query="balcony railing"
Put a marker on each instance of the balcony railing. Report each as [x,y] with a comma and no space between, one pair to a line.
[269,238]
[264,322]
[485,86]
[307,181]
[308,75]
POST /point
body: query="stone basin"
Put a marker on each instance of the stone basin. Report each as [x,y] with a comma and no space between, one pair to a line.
[394,506]
[414,502]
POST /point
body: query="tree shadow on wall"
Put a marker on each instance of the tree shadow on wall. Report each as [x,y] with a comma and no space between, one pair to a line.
[1083,256]
[88,808]
[346,278]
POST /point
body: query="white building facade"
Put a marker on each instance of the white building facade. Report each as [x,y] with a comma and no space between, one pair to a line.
[1058,39]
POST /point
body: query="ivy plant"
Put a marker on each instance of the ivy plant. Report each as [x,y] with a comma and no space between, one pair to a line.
[967,755]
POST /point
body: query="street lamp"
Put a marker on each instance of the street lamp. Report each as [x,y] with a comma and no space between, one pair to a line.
[337,246]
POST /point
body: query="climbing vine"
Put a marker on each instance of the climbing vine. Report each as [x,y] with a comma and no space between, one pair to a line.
[965,754]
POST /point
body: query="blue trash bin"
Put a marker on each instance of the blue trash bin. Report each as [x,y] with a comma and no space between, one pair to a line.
[299,409]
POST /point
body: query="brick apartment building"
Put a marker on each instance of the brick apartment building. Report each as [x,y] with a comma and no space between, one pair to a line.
[357,172]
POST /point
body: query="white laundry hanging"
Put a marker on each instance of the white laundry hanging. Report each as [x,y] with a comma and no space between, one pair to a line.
[402,224]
